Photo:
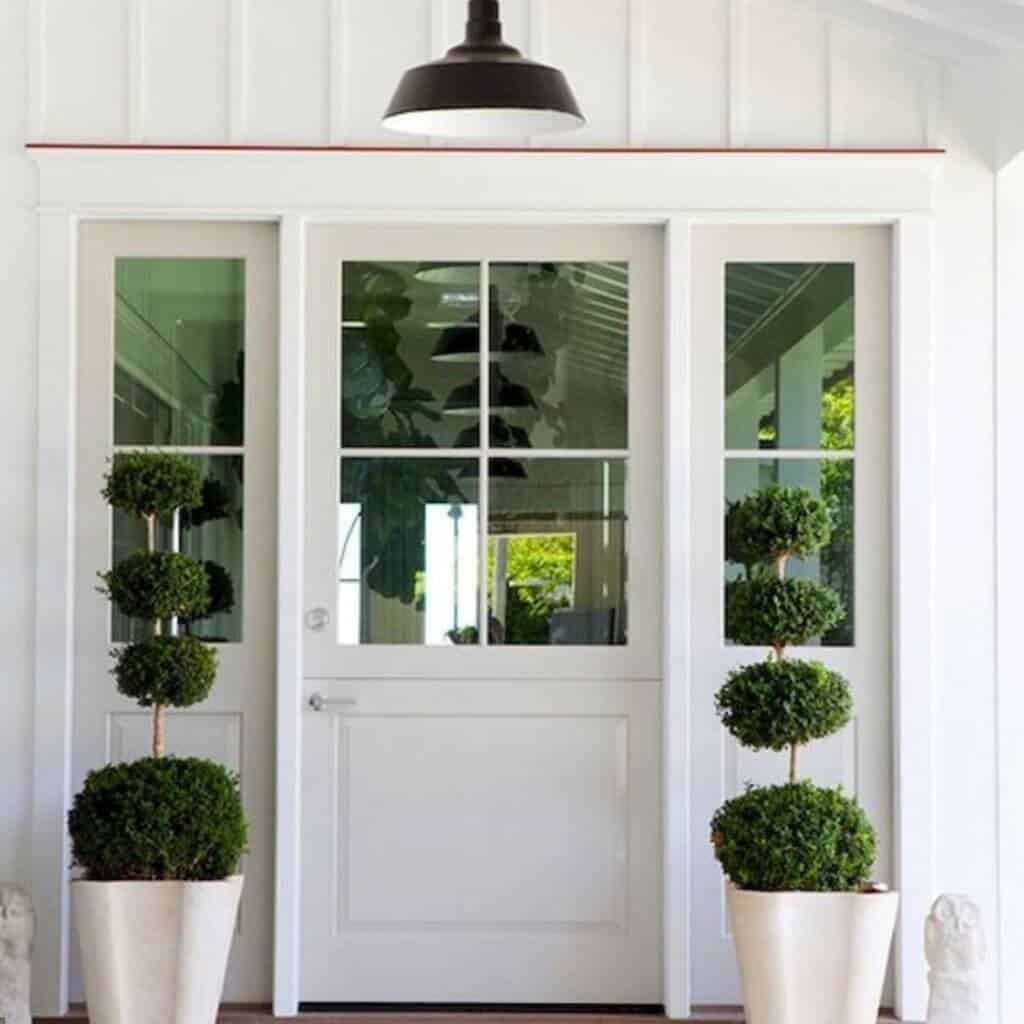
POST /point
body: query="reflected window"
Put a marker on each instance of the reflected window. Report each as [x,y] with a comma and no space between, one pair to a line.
[409,532]
[557,552]
[789,355]
[178,352]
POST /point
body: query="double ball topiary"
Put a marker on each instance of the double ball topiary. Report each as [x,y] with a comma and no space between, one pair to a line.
[795,836]
[158,819]
[149,484]
[764,610]
[771,705]
[167,670]
[158,585]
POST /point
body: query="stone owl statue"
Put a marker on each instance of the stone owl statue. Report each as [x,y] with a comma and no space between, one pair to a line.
[954,944]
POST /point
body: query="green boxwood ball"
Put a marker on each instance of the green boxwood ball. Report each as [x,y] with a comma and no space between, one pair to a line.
[171,670]
[774,522]
[156,819]
[794,838]
[152,483]
[767,611]
[773,704]
[158,585]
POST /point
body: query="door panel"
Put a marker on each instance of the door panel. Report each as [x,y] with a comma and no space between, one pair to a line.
[481,814]
[791,385]
[482,841]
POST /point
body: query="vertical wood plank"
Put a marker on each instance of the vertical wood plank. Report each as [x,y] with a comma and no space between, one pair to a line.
[639,71]
[136,70]
[37,12]
[237,46]
[737,70]
[337,62]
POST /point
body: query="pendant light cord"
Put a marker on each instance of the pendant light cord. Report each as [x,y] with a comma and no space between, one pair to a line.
[484,22]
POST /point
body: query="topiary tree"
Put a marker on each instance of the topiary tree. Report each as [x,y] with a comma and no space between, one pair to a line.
[795,836]
[159,818]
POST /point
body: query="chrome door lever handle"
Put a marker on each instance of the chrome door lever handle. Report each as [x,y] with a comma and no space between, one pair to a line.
[318,702]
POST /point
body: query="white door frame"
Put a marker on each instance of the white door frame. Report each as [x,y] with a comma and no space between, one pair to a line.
[674,189]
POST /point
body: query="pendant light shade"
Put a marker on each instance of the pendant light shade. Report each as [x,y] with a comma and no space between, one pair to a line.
[461,344]
[483,88]
[505,398]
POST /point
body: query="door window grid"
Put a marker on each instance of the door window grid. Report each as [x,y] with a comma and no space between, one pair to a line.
[486,455]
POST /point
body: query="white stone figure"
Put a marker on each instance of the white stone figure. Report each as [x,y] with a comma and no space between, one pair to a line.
[954,944]
[17,926]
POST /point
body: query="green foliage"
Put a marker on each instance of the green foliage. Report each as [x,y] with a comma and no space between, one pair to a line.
[151,483]
[158,819]
[169,670]
[214,504]
[768,611]
[221,588]
[157,585]
[539,570]
[792,838]
[774,704]
[392,493]
[775,522]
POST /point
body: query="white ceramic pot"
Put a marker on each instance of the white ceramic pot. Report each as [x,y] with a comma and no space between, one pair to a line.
[155,952]
[812,958]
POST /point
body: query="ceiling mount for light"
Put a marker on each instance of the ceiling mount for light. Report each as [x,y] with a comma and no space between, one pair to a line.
[483,88]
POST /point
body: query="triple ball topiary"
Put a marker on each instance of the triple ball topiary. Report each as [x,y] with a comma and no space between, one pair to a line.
[795,836]
[159,818]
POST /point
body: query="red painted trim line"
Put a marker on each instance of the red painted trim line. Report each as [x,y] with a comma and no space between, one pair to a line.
[477,150]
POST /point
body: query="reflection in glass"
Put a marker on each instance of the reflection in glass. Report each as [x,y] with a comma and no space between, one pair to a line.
[212,534]
[408,551]
[789,364]
[561,331]
[406,344]
[179,352]
[557,552]
[833,481]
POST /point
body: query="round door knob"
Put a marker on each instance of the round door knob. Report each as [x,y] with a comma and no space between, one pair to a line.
[318,619]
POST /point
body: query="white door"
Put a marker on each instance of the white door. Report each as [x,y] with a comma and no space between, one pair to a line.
[481,782]
[791,385]
[178,328]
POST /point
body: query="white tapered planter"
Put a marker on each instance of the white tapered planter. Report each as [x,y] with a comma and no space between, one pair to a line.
[812,958]
[155,952]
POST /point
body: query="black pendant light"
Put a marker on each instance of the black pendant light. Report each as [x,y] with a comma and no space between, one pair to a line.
[506,397]
[461,344]
[501,435]
[483,88]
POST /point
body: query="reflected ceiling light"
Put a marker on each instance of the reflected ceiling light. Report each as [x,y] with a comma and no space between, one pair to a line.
[498,469]
[459,275]
[502,435]
[461,344]
[505,396]
[483,88]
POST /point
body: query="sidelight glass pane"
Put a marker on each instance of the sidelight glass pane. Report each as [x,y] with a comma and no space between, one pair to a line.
[408,551]
[789,356]
[410,355]
[556,570]
[213,534]
[559,340]
[833,481]
[179,359]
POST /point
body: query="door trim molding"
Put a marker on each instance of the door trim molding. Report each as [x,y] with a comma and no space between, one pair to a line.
[297,188]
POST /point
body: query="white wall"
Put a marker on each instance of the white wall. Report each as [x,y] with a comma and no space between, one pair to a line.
[647,72]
